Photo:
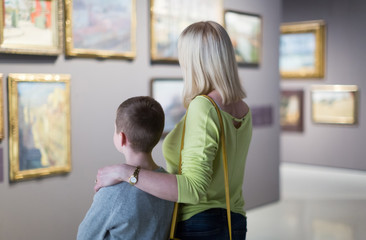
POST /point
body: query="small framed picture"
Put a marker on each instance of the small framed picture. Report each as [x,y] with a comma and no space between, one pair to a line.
[2,134]
[245,31]
[31,27]
[291,110]
[262,115]
[170,17]
[101,29]
[168,92]
[334,104]
[302,46]
[39,125]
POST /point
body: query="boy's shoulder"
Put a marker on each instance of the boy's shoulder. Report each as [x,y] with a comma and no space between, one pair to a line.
[119,190]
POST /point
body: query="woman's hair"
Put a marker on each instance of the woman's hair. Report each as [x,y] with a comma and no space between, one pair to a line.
[208,63]
[141,119]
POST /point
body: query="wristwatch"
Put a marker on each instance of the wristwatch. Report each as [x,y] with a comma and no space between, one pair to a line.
[134,177]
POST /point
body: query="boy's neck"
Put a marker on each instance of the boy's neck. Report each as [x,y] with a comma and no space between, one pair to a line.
[144,160]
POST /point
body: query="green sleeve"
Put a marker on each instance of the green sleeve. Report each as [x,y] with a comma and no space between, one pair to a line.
[200,147]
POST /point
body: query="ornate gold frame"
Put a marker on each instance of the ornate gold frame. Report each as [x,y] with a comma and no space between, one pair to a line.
[334,104]
[318,29]
[30,49]
[97,53]
[177,23]
[27,148]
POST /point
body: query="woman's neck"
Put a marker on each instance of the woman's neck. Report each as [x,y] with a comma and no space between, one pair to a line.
[237,109]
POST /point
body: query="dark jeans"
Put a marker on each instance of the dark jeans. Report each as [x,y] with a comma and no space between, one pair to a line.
[211,225]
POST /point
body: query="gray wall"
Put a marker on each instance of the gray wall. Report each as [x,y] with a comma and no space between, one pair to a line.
[53,207]
[331,145]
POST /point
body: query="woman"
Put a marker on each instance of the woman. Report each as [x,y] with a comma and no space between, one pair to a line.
[207,60]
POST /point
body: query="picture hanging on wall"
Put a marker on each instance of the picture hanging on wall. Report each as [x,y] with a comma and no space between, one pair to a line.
[39,125]
[262,115]
[168,92]
[302,47]
[245,31]
[31,27]
[170,17]
[101,29]
[291,110]
[2,134]
[334,104]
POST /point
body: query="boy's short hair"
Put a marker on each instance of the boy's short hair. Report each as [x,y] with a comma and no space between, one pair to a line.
[141,119]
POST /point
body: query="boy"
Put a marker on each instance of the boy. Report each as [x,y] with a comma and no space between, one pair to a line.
[122,211]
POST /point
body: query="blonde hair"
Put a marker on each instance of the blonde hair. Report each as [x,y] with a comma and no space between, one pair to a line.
[208,63]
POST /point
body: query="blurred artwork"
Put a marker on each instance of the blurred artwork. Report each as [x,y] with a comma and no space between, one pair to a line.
[40,136]
[168,92]
[245,31]
[302,47]
[334,104]
[291,110]
[170,17]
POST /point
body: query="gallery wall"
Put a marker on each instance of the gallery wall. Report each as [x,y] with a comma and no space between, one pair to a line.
[345,56]
[52,207]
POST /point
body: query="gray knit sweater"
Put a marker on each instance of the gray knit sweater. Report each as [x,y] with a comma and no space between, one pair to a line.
[125,212]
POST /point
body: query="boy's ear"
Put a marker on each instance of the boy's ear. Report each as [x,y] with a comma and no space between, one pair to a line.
[123,138]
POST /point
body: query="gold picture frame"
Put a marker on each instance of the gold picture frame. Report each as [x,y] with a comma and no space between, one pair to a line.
[302,49]
[334,104]
[31,27]
[107,29]
[170,17]
[39,125]
[2,134]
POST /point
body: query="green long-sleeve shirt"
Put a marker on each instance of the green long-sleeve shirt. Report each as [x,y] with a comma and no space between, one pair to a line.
[201,185]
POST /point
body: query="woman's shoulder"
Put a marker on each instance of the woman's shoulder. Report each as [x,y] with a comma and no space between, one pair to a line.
[200,103]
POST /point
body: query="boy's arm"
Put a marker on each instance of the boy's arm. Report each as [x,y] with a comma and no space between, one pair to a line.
[96,222]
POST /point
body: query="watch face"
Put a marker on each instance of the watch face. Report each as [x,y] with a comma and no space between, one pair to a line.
[133,180]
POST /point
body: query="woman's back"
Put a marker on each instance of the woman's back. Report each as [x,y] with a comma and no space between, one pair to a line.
[202,158]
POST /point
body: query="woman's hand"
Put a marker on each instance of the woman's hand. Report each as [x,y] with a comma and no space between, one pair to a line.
[108,176]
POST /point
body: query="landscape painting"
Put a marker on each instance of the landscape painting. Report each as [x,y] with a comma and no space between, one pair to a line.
[103,29]
[335,104]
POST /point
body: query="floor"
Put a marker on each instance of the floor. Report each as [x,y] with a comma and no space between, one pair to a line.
[317,203]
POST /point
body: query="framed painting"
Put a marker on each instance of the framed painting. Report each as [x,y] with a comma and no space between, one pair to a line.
[262,115]
[101,29]
[31,27]
[168,92]
[170,17]
[245,31]
[334,104]
[39,125]
[302,46]
[2,134]
[291,110]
